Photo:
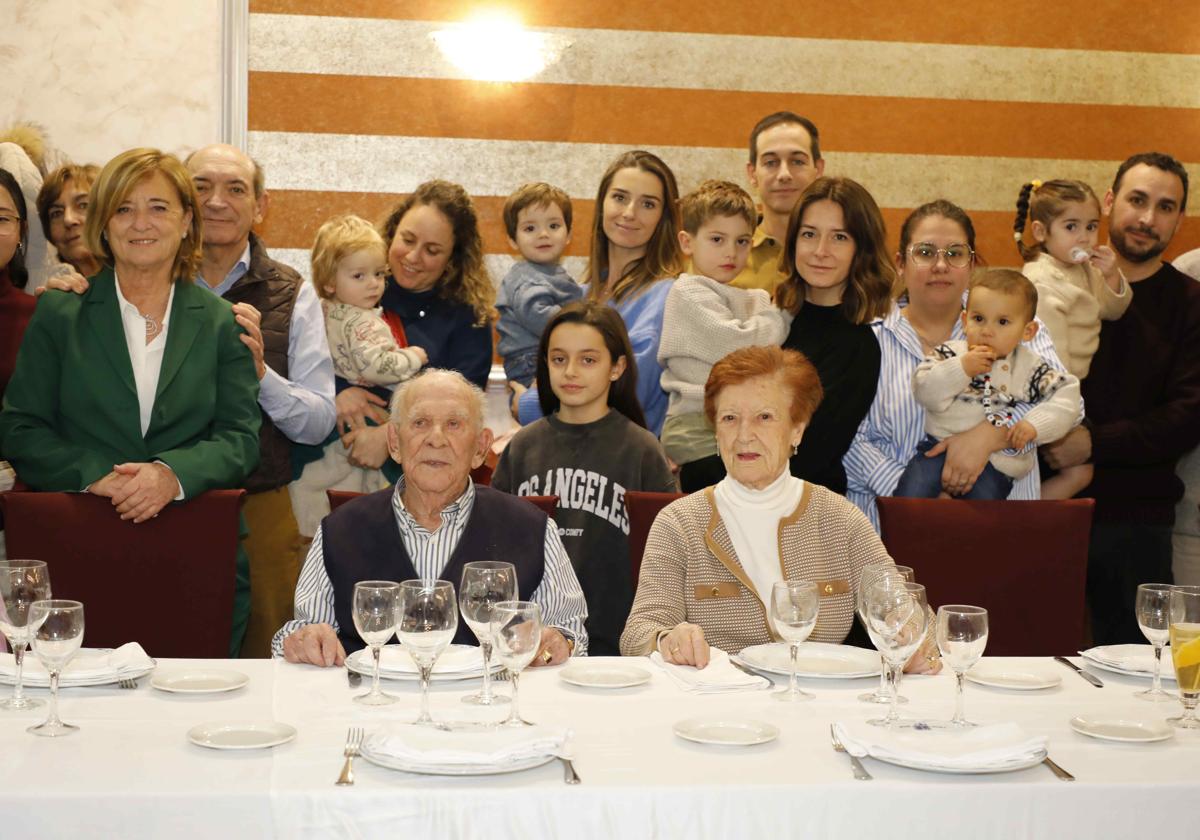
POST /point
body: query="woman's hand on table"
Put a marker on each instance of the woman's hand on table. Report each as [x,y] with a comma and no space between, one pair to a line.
[314,644]
[368,447]
[684,645]
[553,649]
[354,406]
[148,489]
[927,659]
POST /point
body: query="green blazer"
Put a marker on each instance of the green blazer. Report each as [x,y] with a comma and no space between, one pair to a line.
[71,407]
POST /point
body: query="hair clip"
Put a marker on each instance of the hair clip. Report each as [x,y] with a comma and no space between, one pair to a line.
[1016,236]
[1036,184]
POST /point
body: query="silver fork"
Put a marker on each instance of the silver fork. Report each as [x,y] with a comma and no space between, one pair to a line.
[860,772]
[127,683]
[354,740]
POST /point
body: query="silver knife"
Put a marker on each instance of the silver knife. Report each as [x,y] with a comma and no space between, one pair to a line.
[1090,677]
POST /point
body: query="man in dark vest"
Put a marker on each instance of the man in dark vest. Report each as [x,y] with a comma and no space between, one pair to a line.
[428,526]
[285,331]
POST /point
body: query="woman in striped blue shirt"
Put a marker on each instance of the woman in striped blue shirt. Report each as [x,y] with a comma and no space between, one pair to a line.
[936,256]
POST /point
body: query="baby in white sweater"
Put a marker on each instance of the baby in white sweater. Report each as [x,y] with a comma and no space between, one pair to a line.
[706,319]
[992,376]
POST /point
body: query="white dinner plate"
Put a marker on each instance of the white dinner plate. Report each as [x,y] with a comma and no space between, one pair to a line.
[818,660]
[41,680]
[726,731]
[1015,764]
[457,662]
[241,735]
[1092,656]
[1122,729]
[209,681]
[995,675]
[604,675]
[394,763]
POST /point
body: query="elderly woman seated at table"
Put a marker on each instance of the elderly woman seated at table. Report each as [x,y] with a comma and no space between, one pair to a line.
[712,558]
[428,526]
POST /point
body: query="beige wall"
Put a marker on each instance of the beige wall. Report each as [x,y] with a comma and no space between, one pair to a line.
[106,75]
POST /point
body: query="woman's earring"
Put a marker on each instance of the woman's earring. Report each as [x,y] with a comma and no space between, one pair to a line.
[795,449]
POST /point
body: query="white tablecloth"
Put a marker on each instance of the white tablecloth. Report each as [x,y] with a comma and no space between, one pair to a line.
[130,771]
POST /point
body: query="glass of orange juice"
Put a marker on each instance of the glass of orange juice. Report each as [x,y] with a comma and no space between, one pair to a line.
[1185,651]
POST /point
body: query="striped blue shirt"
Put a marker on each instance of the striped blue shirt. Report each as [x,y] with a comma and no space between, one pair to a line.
[888,436]
[559,594]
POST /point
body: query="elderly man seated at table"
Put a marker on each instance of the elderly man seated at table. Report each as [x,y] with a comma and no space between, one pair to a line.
[428,526]
[712,558]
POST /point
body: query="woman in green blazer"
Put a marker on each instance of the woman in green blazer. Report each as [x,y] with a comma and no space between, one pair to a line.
[140,389]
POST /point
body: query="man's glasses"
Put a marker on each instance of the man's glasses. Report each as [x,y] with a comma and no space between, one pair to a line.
[926,254]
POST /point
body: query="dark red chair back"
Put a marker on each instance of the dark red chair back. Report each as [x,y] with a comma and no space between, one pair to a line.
[167,583]
[643,507]
[337,498]
[1025,562]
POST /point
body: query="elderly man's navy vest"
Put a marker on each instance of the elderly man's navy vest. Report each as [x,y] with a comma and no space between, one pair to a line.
[361,541]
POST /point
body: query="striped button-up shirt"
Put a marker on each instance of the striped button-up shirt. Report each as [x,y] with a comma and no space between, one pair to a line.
[888,436]
[559,594]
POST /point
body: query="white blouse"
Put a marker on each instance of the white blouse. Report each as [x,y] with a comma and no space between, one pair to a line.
[752,519]
[145,358]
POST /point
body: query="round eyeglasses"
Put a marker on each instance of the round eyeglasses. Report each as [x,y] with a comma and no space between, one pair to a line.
[925,254]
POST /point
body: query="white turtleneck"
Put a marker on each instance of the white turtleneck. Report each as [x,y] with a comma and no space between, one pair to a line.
[752,519]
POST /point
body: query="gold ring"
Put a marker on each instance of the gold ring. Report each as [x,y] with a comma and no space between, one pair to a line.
[674,650]
[547,656]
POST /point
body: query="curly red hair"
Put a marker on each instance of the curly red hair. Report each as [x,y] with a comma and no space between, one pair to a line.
[796,374]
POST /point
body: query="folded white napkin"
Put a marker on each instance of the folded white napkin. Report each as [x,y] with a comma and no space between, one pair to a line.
[427,745]
[1128,657]
[718,676]
[87,664]
[978,748]
[454,659]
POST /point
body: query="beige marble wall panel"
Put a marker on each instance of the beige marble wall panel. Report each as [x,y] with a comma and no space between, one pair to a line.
[107,75]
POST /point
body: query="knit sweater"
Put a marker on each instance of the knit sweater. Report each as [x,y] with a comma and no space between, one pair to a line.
[703,322]
[16,308]
[530,295]
[955,402]
[363,348]
[691,572]
[1072,299]
[1143,400]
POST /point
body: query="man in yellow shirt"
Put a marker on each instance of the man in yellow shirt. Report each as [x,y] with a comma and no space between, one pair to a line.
[785,157]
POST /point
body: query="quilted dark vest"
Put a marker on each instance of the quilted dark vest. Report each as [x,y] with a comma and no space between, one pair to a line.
[271,288]
[361,541]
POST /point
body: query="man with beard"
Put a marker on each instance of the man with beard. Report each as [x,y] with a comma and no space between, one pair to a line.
[1142,396]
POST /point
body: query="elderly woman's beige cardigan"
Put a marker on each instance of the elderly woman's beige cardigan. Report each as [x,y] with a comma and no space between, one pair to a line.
[691,573]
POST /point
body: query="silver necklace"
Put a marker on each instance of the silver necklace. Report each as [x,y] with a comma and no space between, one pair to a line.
[153,325]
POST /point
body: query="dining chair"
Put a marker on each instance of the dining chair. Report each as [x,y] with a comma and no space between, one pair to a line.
[643,507]
[1025,562]
[166,583]
[337,498]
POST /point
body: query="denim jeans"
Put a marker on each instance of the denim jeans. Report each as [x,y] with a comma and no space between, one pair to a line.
[922,478]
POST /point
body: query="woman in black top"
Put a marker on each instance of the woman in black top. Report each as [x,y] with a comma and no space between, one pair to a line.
[840,281]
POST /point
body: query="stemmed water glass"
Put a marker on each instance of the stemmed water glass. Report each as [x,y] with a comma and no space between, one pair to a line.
[1154,617]
[1185,651]
[375,603]
[887,676]
[794,606]
[896,621]
[427,621]
[56,629]
[485,583]
[21,583]
[517,634]
[962,633]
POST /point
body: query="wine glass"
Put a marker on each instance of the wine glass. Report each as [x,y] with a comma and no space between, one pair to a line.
[896,621]
[517,634]
[428,619]
[962,633]
[1154,617]
[21,583]
[794,606]
[1185,651]
[375,620]
[56,631]
[887,676]
[485,583]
